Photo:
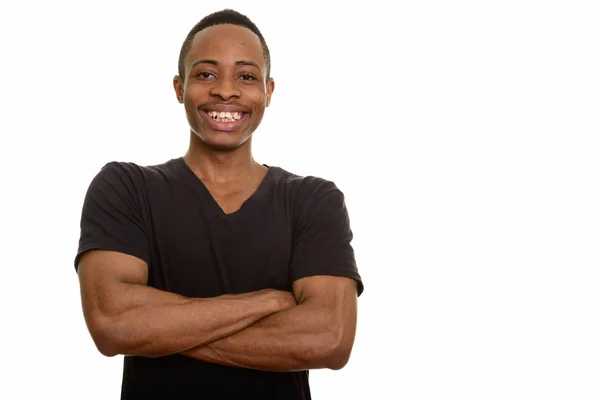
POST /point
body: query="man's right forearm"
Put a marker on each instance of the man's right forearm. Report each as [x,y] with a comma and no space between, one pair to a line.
[152,323]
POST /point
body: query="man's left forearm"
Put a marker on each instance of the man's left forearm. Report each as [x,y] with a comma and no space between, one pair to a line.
[299,338]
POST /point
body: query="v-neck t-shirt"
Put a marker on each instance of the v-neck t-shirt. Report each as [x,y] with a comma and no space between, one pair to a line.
[291,227]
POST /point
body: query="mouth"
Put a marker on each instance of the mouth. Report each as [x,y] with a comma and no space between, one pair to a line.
[226,116]
[224,121]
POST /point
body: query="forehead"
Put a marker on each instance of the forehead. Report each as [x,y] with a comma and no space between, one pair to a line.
[226,42]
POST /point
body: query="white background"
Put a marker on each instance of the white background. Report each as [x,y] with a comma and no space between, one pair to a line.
[464,135]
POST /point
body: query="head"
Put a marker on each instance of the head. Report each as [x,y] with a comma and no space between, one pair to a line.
[224,79]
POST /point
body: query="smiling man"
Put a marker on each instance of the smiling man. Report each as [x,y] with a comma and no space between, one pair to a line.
[218,277]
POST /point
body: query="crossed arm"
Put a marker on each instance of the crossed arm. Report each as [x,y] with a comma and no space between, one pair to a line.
[316,333]
[268,330]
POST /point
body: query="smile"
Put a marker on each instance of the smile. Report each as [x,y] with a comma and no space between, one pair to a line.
[222,116]
[225,121]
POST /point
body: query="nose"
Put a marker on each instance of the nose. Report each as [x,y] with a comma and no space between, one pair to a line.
[225,89]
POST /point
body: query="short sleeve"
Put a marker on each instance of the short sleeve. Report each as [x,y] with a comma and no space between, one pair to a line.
[322,236]
[112,217]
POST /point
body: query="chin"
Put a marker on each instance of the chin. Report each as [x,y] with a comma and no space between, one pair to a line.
[223,141]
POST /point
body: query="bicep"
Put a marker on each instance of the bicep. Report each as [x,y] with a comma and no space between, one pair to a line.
[332,301]
[335,295]
[103,279]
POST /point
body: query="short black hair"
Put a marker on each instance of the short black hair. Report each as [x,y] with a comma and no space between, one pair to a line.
[227,16]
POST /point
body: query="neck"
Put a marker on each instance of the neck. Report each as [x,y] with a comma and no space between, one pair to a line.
[221,167]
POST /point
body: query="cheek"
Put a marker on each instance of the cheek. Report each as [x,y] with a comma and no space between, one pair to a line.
[192,116]
[260,101]
[188,109]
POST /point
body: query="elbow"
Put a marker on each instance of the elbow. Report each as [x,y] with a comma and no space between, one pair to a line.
[112,339]
[107,350]
[105,342]
[339,357]
[339,350]
[106,338]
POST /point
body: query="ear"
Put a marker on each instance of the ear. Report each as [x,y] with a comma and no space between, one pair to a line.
[178,86]
[270,89]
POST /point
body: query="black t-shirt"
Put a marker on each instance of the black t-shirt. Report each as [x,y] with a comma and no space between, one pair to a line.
[291,227]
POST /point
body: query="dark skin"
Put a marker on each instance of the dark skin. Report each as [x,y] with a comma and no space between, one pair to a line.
[125,316]
[225,66]
[313,327]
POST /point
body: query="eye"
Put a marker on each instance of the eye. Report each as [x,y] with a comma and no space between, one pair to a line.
[247,77]
[204,75]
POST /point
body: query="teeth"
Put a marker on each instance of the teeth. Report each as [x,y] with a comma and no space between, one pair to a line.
[225,116]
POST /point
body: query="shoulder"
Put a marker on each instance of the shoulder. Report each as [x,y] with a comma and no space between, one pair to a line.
[127,173]
[306,187]
[310,195]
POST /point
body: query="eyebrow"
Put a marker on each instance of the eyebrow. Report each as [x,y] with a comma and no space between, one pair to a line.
[215,62]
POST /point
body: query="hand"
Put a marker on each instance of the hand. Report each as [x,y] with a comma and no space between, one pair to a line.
[281,298]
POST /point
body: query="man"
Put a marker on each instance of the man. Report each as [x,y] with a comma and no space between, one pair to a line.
[218,277]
